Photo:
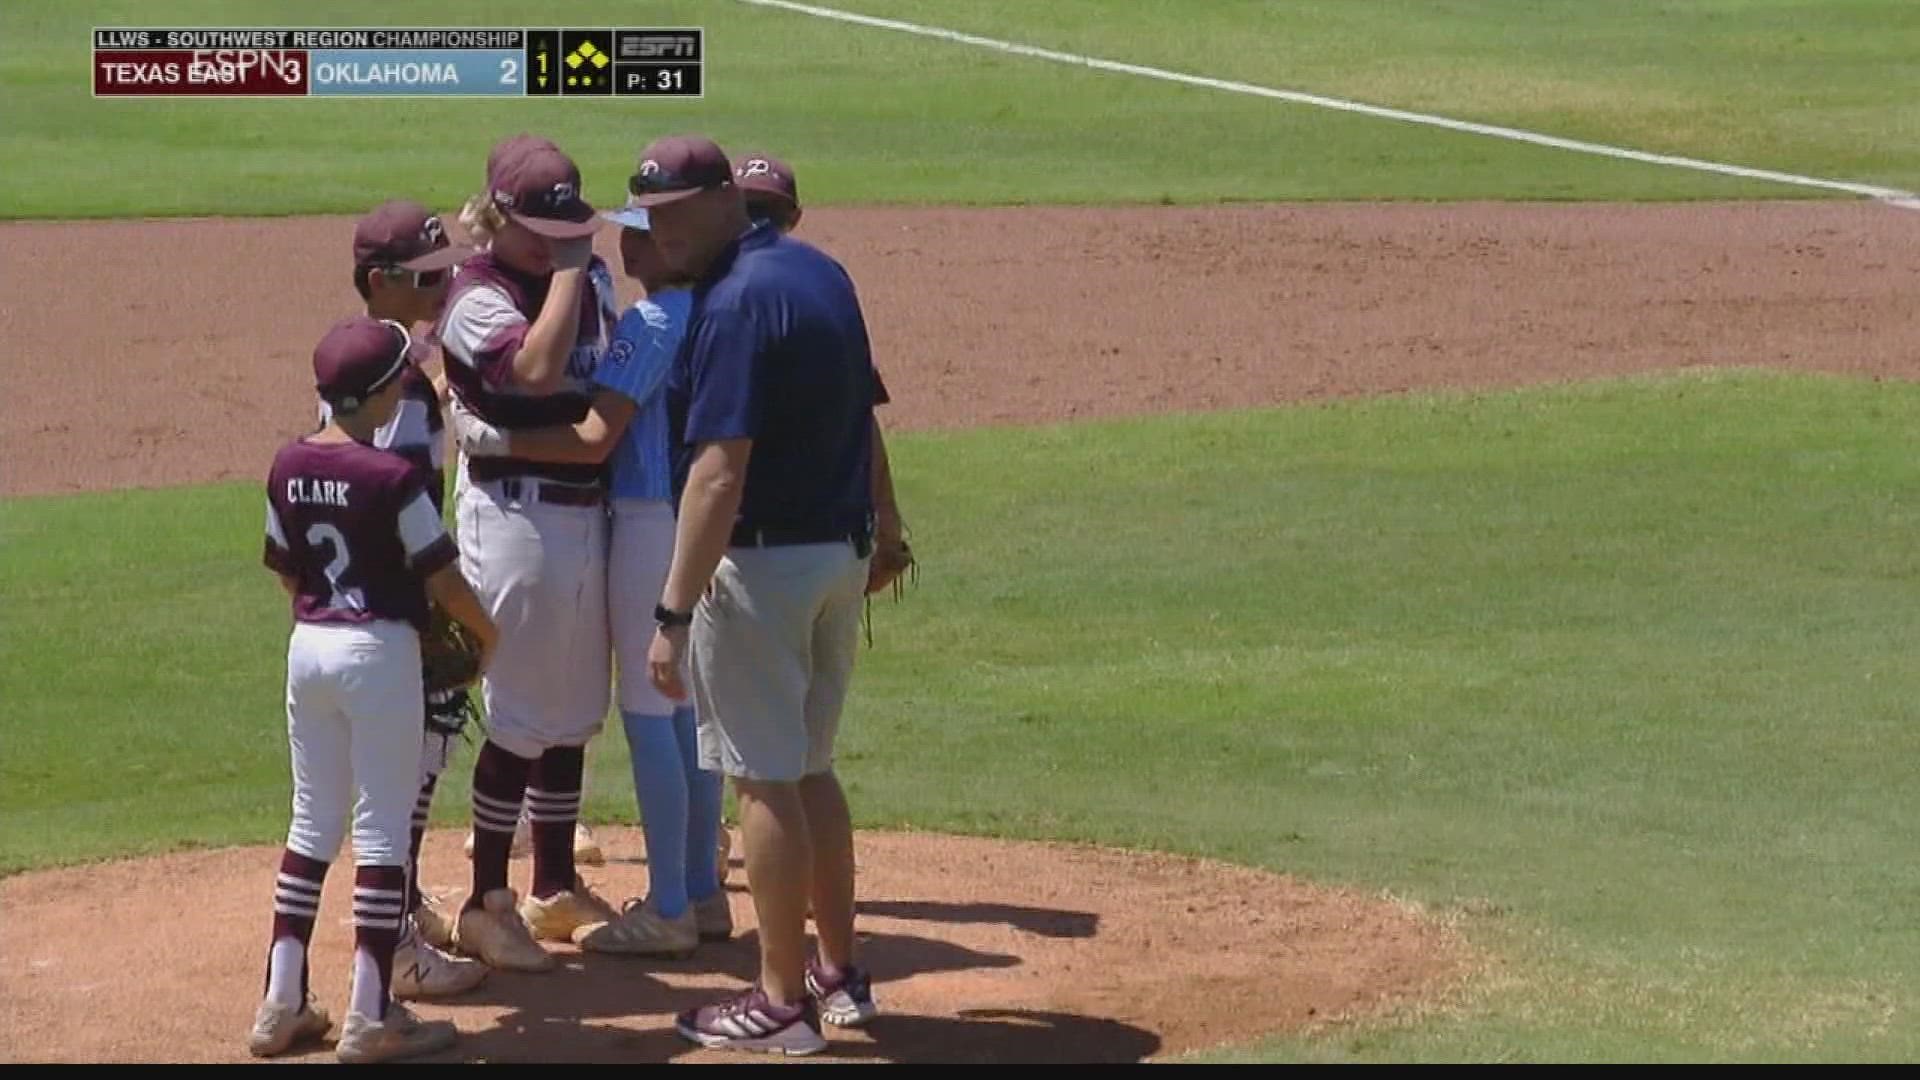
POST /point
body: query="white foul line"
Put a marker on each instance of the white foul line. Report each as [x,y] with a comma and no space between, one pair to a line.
[1893,196]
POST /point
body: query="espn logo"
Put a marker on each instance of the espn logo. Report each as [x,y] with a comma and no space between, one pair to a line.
[657,45]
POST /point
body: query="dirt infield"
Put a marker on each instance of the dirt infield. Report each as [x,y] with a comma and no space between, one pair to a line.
[982,952]
[174,352]
[148,353]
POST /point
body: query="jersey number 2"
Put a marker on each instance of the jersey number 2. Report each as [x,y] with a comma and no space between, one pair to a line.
[342,599]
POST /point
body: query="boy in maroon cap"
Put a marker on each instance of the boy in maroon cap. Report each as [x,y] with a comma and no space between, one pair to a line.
[353,535]
[771,191]
[523,330]
[402,263]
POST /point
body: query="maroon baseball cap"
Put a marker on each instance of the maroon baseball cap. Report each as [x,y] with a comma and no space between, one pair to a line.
[539,187]
[513,144]
[677,167]
[407,235]
[764,174]
[357,358]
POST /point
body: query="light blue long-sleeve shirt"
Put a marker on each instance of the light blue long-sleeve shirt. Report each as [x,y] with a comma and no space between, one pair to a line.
[635,367]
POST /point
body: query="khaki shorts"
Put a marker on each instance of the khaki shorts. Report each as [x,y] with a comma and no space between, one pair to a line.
[773,645]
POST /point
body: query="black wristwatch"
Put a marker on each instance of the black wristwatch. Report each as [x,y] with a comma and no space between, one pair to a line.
[669,618]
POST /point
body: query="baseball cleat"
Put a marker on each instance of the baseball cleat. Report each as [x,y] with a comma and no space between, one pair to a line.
[495,933]
[557,917]
[279,1028]
[714,917]
[846,999]
[432,924]
[643,931]
[422,971]
[752,1023]
[364,1040]
[586,850]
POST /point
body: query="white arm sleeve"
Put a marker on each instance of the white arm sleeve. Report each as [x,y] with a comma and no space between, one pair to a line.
[420,526]
[275,534]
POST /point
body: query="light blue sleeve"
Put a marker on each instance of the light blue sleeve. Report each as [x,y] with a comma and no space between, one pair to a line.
[636,362]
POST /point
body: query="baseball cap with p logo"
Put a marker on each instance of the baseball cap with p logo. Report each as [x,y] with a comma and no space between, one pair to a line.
[407,236]
[678,167]
[357,358]
[762,175]
[539,187]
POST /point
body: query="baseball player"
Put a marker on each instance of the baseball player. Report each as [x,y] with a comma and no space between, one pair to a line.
[401,264]
[679,801]
[772,195]
[352,532]
[523,329]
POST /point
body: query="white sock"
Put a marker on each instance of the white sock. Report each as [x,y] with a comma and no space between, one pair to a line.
[284,968]
[366,986]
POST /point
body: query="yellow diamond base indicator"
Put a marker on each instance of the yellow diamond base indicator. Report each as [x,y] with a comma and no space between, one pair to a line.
[600,60]
[574,59]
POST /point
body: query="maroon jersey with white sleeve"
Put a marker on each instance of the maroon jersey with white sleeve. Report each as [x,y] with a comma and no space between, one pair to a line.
[489,311]
[357,530]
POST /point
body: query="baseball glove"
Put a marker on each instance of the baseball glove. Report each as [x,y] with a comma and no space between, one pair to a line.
[893,564]
[449,655]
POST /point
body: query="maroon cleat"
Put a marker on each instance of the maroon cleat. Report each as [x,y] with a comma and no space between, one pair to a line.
[752,1023]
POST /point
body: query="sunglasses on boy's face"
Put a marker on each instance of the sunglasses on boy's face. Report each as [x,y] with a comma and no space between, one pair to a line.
[421,279]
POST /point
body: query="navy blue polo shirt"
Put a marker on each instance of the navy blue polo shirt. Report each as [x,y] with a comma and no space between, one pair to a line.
[776,351]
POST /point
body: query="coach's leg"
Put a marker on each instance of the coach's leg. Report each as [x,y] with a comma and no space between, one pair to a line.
[750,662]
[780,876]
[748,667]
[843,990]
[830,835]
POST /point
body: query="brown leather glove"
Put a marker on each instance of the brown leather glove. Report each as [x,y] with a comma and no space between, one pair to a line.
[893,563]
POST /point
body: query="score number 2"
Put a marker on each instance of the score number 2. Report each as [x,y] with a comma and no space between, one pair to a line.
[510,70]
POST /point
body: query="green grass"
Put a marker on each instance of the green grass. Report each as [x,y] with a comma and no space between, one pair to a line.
[1619,676]
[1818,87]
[869,116]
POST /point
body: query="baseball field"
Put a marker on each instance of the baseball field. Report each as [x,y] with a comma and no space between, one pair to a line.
[1388,593]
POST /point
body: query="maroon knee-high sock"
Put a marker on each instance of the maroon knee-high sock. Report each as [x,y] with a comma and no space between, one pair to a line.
[499,783]
[422,807]
[553,808]
[296,904]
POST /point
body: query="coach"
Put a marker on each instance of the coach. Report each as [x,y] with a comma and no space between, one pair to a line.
[770,412]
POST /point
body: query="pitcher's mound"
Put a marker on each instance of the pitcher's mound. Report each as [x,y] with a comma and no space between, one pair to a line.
[982,951]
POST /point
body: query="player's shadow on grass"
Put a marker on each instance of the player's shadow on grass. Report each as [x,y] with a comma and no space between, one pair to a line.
[1045,922]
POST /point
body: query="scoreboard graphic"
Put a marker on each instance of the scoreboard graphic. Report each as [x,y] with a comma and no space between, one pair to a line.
[390,62]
